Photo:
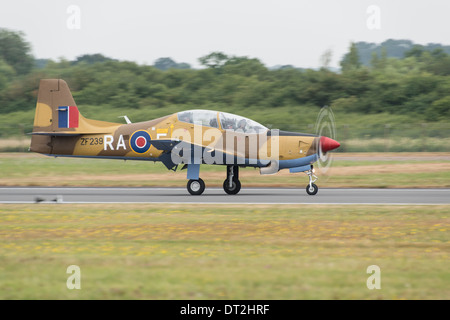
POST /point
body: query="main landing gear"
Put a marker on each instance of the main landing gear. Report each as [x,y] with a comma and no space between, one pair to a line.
[196,187]
[232,185]
[311,188]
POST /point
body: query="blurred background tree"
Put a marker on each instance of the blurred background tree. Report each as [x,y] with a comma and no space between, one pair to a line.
[373,80]
[15,51]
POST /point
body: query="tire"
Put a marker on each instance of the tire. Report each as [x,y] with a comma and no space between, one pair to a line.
[313,189]
[234,189]
[196,187]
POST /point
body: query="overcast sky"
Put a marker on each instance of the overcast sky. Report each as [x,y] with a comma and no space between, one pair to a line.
[277,32]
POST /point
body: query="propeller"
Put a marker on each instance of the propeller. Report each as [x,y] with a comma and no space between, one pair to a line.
[325,128]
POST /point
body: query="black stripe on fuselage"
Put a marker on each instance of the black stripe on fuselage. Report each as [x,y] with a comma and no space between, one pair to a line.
[282,133]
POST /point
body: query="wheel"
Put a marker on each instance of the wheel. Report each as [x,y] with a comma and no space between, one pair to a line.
[196,187]
[312,190]
[235,188]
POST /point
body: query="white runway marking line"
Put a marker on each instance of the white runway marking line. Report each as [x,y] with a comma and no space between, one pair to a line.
[234,203]
[263,192]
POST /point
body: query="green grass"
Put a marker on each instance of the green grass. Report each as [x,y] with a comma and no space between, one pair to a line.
[396,144]
[28,169]
[392,180]
[238,252]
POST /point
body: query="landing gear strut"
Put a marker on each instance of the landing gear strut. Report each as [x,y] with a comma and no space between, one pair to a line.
[311,188]
[232,185]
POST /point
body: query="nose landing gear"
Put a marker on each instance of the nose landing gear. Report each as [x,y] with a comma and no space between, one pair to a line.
[311,188]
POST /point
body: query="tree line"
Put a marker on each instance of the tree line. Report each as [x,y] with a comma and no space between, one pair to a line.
[417,84]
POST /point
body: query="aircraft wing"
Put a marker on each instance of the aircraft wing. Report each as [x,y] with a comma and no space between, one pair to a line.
[169,145]
[175,150]
[165,145]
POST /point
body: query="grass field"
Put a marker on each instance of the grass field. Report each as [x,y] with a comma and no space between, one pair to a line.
[175,251]
[239,252]
[370,170]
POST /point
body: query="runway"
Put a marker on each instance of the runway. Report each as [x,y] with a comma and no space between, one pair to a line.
[218,196]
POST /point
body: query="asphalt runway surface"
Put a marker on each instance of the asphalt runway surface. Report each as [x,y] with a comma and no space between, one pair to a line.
[218,196]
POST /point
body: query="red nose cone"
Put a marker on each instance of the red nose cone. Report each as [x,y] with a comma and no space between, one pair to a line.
[328,144]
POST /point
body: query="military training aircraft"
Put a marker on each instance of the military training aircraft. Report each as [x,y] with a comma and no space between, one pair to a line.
[188,138]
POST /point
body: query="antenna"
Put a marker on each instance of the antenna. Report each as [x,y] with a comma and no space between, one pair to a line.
[126,119]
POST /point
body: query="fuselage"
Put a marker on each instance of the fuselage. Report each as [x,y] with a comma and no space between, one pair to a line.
[217,136]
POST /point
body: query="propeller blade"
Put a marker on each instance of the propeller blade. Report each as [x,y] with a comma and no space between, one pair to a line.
[326,130]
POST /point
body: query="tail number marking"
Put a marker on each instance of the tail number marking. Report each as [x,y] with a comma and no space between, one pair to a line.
[91,141]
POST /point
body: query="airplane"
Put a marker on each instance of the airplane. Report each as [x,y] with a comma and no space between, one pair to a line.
[188,138]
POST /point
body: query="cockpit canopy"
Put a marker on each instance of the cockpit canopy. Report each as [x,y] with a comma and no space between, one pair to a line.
[221,120]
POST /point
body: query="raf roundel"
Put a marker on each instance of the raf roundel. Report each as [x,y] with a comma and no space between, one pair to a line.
[140,141]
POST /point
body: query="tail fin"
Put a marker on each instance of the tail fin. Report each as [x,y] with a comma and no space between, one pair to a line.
[58,115]
[53,93]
